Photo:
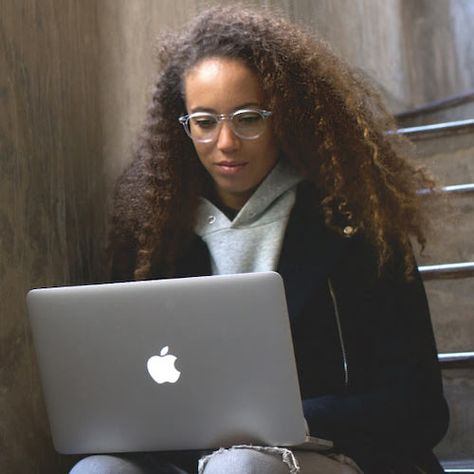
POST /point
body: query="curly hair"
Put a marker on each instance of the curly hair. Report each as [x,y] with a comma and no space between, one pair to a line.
[328,121]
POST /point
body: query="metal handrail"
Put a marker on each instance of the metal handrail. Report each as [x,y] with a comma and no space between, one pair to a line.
[447,270]
[456,360]
[436,127]
[458,470]
[458,188]
[456,356]
[454,188]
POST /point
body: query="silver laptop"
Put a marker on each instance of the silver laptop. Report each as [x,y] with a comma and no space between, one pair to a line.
[193,363]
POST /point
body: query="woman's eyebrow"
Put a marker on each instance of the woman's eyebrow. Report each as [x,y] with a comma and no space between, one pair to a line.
[237,107]
[203,109]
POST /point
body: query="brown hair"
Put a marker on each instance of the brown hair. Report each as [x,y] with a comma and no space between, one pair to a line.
[328,121]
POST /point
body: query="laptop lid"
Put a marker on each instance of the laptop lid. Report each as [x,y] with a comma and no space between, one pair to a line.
[191,363]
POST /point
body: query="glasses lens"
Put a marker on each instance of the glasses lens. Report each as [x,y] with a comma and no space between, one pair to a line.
[202,126]
[248,123]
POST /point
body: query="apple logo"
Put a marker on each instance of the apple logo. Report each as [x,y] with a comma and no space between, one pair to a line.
[161,368]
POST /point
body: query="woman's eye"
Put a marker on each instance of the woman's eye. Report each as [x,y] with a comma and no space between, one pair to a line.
[204,123]
[248,118]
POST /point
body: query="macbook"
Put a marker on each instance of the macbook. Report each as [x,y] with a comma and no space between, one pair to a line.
[177,364]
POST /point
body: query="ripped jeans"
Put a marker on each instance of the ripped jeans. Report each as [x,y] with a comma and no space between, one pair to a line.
[235,460]
[273,460]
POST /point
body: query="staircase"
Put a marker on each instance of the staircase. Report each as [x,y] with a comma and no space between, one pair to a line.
[443,134]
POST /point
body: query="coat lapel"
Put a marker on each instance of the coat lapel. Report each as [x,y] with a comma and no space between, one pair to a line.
[196,261]
[309,253]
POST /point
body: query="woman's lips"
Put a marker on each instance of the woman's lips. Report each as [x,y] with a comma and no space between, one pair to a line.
[230,167]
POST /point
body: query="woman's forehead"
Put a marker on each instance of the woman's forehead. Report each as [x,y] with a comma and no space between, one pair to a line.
[217,83]
[211,67]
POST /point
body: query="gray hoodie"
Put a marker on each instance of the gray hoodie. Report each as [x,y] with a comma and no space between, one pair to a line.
[252,241]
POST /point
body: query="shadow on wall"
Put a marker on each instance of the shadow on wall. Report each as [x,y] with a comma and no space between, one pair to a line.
[52,196]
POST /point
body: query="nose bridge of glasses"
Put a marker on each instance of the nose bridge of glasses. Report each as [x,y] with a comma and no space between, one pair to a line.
[221,123]
[225,117]
[225,132]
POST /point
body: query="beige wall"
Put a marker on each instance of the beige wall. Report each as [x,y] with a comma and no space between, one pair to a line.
[438,48]
[51,179]
[74,83]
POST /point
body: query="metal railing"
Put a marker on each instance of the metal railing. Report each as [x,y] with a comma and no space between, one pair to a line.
[459,470]
[458,188]
[447,270]
[437,128]
[451,189]
[456,359]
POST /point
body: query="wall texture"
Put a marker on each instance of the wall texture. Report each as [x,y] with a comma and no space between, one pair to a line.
[439,54]
[51,183]
[74,83]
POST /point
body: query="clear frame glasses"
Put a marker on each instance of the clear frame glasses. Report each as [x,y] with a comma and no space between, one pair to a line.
[204,127]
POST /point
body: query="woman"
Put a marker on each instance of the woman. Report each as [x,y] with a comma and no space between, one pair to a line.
[263,151]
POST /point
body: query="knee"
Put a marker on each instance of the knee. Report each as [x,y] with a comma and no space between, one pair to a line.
[240,461]
[104,464]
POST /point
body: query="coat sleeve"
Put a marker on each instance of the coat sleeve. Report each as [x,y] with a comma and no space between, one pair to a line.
[396,406]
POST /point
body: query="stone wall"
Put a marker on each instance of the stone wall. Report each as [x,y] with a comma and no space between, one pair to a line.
[51,185]
[438,48]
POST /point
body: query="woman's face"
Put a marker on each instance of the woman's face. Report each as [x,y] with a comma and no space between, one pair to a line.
[237,166]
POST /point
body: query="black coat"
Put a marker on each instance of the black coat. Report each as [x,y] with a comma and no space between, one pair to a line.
[364,345]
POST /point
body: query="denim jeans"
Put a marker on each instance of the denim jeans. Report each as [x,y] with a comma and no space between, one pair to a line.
[235,460]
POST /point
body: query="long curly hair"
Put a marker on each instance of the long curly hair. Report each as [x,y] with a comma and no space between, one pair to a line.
[328,121]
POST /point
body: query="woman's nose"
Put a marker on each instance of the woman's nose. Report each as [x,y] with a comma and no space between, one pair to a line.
[227,140]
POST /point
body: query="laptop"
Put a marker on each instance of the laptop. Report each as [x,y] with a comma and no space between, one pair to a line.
[177,364]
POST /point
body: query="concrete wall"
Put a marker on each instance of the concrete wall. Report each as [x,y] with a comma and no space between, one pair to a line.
[438,48]
[74,83]
[51,182]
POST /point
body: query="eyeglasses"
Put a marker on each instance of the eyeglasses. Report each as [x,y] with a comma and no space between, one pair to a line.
[204,127]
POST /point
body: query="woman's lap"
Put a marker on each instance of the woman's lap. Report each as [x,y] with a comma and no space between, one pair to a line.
[138,463]
[236,460]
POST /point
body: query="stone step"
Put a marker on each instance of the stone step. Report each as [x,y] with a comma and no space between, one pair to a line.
[448,155]
[459,393]
[449,109]
[451,156]
[450,294]
[452,315]
[458,380]
[451,230]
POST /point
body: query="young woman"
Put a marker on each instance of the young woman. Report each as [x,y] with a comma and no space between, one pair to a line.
[264,151]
